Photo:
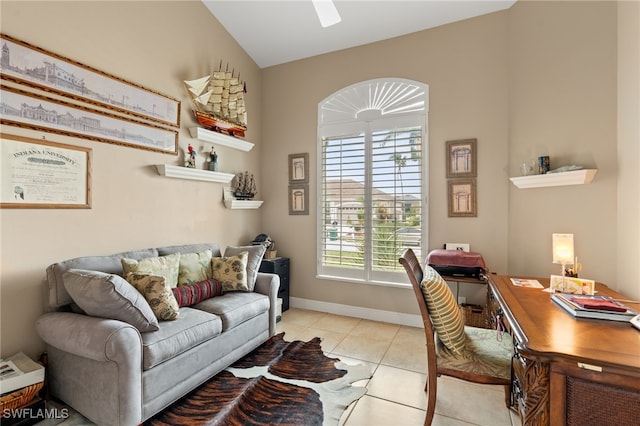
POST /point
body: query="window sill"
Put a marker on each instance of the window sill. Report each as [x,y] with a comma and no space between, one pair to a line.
[364,282]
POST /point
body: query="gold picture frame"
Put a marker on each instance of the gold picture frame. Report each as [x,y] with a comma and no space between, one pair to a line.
[38,112]
[462,158]
[34,67]
[42,174]
[462,196]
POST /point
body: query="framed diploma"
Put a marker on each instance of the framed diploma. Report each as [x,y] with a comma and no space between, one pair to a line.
[41,174]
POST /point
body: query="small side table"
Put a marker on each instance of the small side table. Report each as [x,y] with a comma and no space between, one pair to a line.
[280,267]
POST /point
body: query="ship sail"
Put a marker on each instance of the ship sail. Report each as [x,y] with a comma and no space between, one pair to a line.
[203,99]
[198,86]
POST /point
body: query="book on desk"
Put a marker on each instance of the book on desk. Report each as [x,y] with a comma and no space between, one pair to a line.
[593,306]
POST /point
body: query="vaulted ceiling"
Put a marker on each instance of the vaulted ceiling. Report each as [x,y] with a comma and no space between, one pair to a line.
[273,32]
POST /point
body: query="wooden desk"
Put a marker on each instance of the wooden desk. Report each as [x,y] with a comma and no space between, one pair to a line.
[568,371]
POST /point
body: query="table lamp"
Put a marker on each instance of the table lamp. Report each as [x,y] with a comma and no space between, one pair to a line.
[563,252]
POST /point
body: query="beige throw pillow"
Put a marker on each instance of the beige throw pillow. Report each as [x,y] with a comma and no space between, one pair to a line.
[255,254]
[231,271]
[194,267]
[158,294]
[166,266]
[443,310]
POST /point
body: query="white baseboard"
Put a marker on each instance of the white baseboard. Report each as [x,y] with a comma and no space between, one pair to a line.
[357,312]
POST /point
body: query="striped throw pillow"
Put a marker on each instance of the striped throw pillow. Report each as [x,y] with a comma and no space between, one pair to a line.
[443,310]
[192,294]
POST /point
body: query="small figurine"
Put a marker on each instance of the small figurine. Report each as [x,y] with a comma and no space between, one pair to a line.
[191,162]
[213,164]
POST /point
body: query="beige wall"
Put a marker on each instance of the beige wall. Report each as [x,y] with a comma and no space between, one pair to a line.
[628,267]
[465,66]
[133,207]
[538,77]
[562,103]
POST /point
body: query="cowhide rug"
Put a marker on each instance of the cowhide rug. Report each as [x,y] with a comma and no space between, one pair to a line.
[279,383]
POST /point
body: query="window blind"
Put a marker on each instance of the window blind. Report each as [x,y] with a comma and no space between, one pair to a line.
[371,192]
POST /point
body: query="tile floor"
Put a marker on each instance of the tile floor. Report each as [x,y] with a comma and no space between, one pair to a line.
[396,355]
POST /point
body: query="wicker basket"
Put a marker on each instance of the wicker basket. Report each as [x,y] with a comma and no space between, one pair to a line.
[475,316]
[20,397]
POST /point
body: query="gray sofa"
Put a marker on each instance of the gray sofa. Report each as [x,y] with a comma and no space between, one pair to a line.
[114,374]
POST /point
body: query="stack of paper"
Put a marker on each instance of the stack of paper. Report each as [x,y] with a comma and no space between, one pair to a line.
[19,371]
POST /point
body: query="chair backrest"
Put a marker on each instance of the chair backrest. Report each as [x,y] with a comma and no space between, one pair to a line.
[414,270]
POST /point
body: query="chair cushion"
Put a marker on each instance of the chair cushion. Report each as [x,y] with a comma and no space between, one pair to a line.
[443,310]
[235,308]
[109,296]
[483,354]
[192,328]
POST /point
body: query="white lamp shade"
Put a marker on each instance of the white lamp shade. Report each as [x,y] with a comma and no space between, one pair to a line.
[563,249]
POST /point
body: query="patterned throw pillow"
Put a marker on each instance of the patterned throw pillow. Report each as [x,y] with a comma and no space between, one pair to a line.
[194,267]
[192,294]
[231,271]
[158,294]
[166,266]
[253,260]
[443,310]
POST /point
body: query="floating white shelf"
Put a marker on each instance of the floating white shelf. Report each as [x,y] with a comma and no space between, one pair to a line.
[195,174]
[220,139]
[242,204]
[574,177]
[232,203]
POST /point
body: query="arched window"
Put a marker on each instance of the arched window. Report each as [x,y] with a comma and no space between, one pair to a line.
[372,184]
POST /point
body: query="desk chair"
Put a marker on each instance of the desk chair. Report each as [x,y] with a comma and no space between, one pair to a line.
[468,353]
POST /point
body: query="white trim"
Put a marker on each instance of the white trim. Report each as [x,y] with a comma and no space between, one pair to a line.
[410,320]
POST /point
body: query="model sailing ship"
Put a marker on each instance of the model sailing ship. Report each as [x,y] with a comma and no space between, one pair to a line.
[244,186]
[218,101]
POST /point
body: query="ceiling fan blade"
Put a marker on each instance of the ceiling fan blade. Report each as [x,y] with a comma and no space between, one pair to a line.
[327,12]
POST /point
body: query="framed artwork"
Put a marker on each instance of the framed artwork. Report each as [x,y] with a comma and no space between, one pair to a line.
[298,168]
[299,199]
[462,198]
[35,67]
[33,111]
[41,174]
[462,158]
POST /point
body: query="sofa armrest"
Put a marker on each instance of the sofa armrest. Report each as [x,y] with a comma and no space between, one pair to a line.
[95,366]
[269,284]
[90,337]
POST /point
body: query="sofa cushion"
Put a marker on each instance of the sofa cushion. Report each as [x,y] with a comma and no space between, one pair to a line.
[157,293]
[104,295]
[255,254]
[194,267]
[191,294]
[189,248]
[235,308]
[58,295]
[231,271]
[167,266]
[192,328]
